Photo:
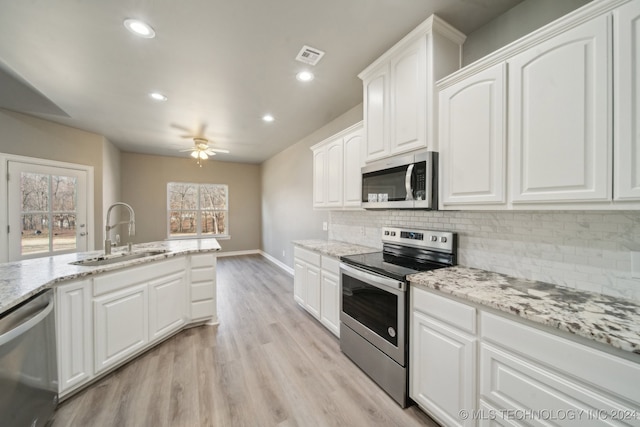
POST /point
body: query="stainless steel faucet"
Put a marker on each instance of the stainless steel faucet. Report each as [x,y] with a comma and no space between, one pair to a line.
[108,228]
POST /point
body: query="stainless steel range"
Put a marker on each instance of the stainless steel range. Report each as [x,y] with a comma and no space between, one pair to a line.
[373,319]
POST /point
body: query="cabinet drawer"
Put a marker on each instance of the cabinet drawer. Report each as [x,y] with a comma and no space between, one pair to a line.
[597,368]
[452,312]
[514,383]
[202,291]
[202,309]
[206,274]
[331,264]
[139,274]
[202,260]
[306,255]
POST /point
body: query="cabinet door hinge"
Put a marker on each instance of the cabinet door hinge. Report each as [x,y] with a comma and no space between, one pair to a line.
[8,229]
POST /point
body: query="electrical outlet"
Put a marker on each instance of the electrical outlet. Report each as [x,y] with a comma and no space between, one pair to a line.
[363,231]
[283,253]
[325,226]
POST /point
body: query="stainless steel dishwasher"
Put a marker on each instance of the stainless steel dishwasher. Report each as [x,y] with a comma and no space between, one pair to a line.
[28,366]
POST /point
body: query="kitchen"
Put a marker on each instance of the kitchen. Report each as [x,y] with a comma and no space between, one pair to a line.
[585,249]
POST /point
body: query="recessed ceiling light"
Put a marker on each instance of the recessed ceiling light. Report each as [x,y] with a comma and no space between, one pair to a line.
[139,28]
[268,118]
[305,76]
[158,96]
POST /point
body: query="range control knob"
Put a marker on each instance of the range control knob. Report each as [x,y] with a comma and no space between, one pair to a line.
[393,233]
[434,238]
[386,233]
[443,239]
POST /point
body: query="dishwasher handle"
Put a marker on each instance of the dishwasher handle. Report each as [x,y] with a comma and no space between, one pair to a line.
[24,326]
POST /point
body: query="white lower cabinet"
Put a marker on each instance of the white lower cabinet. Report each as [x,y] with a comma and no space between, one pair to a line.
[203,288]
[528,372]
[330,294]
[316,286]
[74,327]
[167,302]
[523,374]
[442,359]
[121,325]
[105,321]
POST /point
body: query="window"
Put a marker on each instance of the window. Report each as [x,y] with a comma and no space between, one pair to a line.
[197,210]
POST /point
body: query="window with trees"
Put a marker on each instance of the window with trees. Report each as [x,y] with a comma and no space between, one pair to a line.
[197,210]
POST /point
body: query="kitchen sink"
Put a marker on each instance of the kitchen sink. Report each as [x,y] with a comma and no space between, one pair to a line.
[121,257]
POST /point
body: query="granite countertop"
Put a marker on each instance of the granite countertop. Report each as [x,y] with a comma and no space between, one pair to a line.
[334,248]
[22,279]
[602,318]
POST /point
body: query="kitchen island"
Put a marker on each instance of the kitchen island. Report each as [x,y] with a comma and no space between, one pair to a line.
[113,308]
[21,280]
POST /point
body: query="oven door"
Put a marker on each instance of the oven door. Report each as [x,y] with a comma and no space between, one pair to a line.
[374,307]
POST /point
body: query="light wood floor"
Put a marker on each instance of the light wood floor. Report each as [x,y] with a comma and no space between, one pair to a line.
[268,363]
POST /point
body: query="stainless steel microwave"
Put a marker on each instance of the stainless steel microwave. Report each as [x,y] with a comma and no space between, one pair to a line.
[404,182]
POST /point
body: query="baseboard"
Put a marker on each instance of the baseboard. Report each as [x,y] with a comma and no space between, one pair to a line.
[238,253]
[277,262]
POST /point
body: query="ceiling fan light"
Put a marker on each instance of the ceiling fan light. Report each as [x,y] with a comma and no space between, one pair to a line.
[194,154]
[203,155]
[139,28]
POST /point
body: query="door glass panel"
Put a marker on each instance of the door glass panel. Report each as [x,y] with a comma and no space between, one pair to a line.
[35,234]
[48,213]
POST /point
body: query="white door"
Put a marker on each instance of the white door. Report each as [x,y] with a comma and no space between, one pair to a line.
[319,178]
[121,325]
[334,173]
[167,301]
[442,378]
[74,333]
[409,99]
[627,102]
[472,139]
[376,114]
[330,304]
[559,135]
[312,301]
[47,210]
[353,162]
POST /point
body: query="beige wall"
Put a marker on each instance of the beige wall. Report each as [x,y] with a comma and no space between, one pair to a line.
[287,192]
[28,136]
[144,181]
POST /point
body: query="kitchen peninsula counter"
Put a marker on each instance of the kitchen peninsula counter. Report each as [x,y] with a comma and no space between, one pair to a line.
[21,280]
[602,318]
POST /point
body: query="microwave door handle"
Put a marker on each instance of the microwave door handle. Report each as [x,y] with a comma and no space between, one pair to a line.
[407,182]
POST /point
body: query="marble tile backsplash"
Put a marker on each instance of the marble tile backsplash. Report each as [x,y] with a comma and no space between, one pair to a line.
[584,250]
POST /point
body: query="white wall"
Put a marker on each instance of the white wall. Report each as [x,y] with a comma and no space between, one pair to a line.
[287,184]
[24,135]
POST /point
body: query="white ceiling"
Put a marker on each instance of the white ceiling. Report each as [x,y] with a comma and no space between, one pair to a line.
[222,63]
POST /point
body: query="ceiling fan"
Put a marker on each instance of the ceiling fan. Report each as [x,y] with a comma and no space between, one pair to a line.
[201,149]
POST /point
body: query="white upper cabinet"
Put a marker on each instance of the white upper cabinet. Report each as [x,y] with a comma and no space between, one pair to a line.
[337,180]
[376,113]
[567,135]
[353,162]
[559,135]
[472,139]
[399,113]
[627,102]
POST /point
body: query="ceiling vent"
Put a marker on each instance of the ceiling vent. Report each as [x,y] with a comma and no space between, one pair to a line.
[309,55]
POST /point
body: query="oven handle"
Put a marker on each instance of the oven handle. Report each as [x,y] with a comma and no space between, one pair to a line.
[374,279]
